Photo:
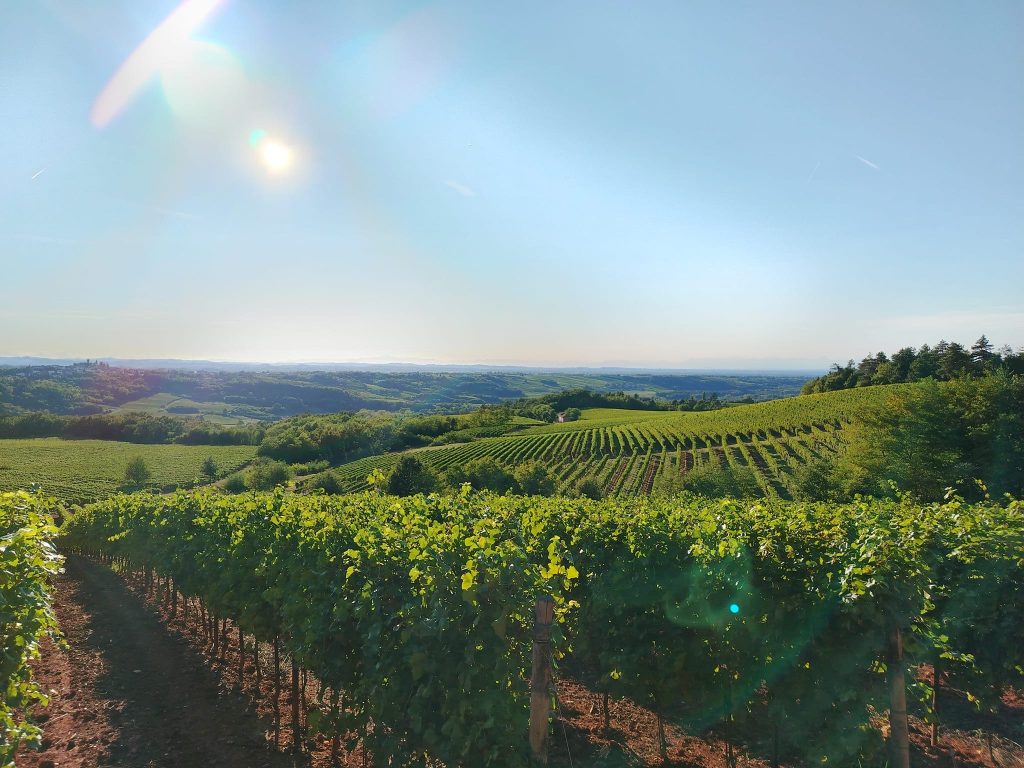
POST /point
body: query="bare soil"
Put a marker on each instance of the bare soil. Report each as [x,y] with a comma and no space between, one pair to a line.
[128,694]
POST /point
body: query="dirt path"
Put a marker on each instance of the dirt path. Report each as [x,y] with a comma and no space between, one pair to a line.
[131,695]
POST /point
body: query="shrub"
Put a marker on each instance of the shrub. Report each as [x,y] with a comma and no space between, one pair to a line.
[533,479]
[410,476]
[234,483]
[588,488]
[266,474]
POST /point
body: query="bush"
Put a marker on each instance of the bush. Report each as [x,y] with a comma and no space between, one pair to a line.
[533,479]
[824,478]
[266,474]
[323,481]
[310,467]
[711,480]
[234,483]
[410,476]
[588,488]
[483,474]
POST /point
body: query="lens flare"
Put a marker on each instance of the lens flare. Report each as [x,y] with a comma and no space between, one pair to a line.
[256,137]
[153,53]
[734,608]
[276,157]
[203,84]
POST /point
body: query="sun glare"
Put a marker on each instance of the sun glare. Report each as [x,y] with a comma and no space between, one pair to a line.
[275,156]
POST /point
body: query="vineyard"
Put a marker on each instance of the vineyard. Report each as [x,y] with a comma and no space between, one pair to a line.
[78,471]
[28,563]
[794,622]
[634,453]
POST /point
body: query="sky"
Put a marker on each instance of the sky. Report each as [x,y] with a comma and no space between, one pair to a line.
[650,184]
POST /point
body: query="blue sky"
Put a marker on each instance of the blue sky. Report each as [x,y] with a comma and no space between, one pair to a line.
[650,184]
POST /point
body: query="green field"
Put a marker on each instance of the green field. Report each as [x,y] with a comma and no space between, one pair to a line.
[85,470]
[164,403]
[634,452]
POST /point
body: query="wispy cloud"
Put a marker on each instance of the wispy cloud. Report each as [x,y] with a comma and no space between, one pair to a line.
[867,162]
[462,189]
[37,174]
[816,167]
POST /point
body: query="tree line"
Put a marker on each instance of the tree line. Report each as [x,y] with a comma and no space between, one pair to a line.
[548,407]
[130,427]
[945,361]
[966,434]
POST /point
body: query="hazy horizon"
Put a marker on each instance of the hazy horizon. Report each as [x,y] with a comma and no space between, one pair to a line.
[371,364]
[647,186]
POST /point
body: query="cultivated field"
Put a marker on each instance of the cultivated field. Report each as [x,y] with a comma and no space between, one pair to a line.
[85,470]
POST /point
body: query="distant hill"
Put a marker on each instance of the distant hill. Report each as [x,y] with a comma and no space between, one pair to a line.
[175,364]
[238,395]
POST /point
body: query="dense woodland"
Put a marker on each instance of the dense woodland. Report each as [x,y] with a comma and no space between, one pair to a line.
[943,362]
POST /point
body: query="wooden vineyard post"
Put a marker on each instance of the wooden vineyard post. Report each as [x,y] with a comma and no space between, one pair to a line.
[277,691]
[540,678]
[899,732]
[296,727]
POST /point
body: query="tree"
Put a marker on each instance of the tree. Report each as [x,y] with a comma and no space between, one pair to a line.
[954,361]
[981,352]
[909,443]
[573,414]
[924,366]
[410,476]
[136,474]
[534,479]
[209,468]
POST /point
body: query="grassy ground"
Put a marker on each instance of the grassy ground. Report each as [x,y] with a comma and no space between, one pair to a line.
[164,403]
[78,471]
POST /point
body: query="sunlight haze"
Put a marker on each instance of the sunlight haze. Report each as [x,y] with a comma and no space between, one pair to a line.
[641,184]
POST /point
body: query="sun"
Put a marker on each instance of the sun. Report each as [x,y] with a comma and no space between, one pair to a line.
[276,156]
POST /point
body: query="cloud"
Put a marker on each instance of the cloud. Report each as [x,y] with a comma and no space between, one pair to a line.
[816,167]
[462,189]
[867,162]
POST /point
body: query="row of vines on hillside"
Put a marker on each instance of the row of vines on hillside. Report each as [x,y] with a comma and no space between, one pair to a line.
[28,564]
[807,422]
[416,612]
[652,459]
